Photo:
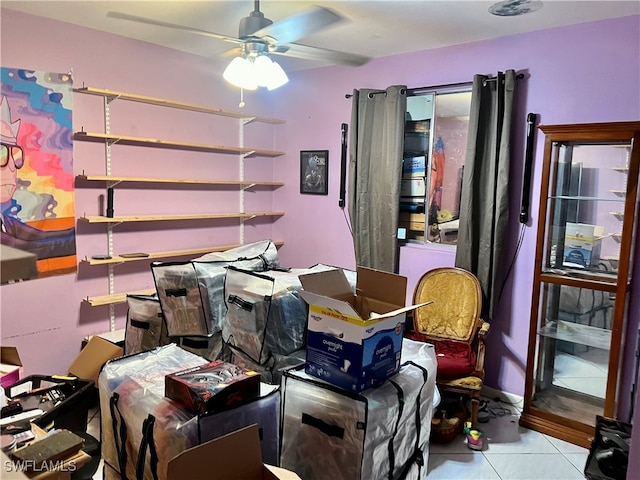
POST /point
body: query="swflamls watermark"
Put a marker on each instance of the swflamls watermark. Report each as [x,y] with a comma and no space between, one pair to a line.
[38,467]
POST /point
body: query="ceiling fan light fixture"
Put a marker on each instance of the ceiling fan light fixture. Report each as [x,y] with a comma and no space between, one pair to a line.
[251,71]
[240,72]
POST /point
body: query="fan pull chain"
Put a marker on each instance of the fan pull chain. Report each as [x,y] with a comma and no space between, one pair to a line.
[241,104]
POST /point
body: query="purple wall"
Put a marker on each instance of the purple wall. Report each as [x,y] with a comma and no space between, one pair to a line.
[46,318]
[577,74]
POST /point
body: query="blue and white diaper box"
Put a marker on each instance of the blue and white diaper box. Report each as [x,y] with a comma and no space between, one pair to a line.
[354,339]
[582,245]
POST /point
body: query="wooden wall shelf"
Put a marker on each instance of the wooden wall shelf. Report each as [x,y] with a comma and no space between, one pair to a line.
[169,144]
[118,179]
[115,298]
[162,218]
[116,259]
[102,92]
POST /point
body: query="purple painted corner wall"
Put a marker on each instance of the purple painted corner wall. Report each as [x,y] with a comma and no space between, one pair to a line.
[578,74]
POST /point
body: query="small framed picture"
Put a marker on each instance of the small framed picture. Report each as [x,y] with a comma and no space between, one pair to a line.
[314,172]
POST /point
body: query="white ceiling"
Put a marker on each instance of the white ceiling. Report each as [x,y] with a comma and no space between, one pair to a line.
[372,28]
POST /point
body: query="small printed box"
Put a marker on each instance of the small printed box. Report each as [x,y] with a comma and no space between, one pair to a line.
[213,386]
[414,167]
[412,187]
[582,244]
[354,340]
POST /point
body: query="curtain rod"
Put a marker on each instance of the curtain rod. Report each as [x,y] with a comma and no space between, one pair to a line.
[410,91]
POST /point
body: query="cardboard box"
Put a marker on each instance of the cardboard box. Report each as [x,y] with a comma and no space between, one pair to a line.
[213,386]
[413,187]
[354,340]
[10,366]
[235,456]
[582,244]
[92,357]
[414,167]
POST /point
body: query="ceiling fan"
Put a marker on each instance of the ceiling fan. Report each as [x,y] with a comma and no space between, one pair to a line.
[259,36]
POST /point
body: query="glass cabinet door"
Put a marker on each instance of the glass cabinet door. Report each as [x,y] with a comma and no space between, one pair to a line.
[585,208]
[582,278]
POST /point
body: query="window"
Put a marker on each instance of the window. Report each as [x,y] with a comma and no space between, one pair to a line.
[435,145]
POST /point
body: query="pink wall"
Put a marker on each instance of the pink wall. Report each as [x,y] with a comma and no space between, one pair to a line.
[583,73]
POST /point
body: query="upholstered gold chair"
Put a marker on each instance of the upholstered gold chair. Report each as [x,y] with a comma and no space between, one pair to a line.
[453,324]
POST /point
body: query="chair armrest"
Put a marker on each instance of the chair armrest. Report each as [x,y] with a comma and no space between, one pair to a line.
[482,333]
[484,329]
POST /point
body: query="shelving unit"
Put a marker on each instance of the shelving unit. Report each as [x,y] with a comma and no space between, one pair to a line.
[579,309]
[109,139]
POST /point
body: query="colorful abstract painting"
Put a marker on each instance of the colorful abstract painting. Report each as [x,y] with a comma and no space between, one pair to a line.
[36,168]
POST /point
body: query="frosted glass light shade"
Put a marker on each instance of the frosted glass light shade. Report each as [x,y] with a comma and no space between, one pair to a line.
[262,66]
[277,77]
[240,72]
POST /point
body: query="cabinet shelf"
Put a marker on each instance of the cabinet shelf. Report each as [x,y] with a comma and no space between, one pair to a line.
[116,259]
[584,198]
[117,179]
[173,145]
[582,279]
[173,104]
[577,333]
[162,218]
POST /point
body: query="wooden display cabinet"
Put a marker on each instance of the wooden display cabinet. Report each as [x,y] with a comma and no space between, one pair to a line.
[582,277]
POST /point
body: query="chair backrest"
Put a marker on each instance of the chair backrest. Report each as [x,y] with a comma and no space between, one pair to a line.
[457,302]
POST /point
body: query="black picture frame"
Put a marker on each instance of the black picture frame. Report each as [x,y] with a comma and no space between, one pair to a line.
[314,172]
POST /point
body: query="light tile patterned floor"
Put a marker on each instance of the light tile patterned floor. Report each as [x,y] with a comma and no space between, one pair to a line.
[511,452]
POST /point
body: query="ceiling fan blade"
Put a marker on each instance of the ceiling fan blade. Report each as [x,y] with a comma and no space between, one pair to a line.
[299,25]
[149,21]
[315,53]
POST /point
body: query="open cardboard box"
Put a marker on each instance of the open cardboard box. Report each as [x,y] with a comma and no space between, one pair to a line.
[354,340]
[92,357]
[10,366]
[235,456]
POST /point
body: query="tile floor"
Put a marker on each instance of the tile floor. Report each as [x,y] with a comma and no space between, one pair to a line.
[511,452]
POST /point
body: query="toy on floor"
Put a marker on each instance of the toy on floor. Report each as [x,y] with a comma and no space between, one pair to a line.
[474,436]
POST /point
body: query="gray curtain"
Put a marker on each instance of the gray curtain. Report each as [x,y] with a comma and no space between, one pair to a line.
[484,206]
[375,169]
